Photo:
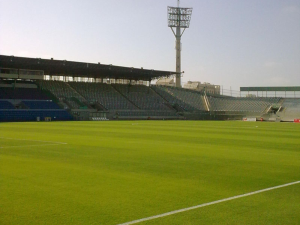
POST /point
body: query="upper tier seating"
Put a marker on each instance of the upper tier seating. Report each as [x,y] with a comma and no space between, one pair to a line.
[241,104]
[188,100]
[6,105]
[28,104]
[41,105]
[22,93]
[104,94]
[142,96]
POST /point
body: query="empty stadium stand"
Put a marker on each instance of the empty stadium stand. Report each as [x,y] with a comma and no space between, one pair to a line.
[64,93]
[22,93]
[29,101]
[148,114]
[6,105]
[103,94]
[40,104]
[241,104]
[32,115]
[25,95]
[290,109]
[25,102]
[187,99]
[142,96]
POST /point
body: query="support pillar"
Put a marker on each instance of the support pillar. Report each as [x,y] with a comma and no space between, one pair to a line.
[178,57]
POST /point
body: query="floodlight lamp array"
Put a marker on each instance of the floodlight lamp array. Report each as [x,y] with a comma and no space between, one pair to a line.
[179,17]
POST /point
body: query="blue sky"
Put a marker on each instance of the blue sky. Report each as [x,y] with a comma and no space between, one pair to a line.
[231,43]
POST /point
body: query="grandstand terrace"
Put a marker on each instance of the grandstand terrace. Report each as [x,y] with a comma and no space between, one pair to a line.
[241,104]
[63,92]
[30,107]
[43,89]
[103,94]
[143,97]
[289,109]
[186,99]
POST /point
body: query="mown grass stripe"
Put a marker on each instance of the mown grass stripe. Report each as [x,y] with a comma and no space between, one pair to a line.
[207,204]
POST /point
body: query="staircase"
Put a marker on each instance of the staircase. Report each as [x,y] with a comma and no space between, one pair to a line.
[180,109]
[124,96]
[99,106]
[84,102]
[207,104]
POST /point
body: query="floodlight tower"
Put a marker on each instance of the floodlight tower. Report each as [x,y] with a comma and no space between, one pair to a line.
[179,18]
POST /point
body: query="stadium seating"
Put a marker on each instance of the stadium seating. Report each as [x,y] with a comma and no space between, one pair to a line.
[6,105]
[22,93]
[292,104]
[188,100]
[103,94]
[41,105]
[142,96]
[240,104]
[32,115]
[64,93]
[290,109]
[29,103]
[26,102]
[147,113]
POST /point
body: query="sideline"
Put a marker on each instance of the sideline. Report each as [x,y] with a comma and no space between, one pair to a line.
[209,203]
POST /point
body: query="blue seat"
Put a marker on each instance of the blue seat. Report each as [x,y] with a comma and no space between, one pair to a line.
[41,105]
[6,105]
[31,115]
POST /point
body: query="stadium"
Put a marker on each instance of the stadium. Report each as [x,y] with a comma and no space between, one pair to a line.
[27,96]
[93,143]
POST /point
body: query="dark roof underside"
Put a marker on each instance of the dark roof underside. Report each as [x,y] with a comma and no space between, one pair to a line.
[80,69]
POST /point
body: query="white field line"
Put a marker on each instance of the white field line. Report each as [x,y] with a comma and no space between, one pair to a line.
[209,203]
[20,146]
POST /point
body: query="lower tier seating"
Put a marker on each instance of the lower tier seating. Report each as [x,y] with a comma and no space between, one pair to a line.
[241,104]
[142,96]
[41,105]
[103,94]
[292,104]
[64,93]
[22,93]
[32,115]
[6,105]
[147,113]
[186,99]
[290,109]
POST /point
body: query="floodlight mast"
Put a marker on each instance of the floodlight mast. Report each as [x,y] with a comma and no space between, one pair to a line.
[179,18]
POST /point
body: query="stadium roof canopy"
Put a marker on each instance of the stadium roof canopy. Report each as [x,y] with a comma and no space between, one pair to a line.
[80,69]
[270,88]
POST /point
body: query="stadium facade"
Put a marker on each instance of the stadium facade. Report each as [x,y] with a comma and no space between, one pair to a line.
[47,89]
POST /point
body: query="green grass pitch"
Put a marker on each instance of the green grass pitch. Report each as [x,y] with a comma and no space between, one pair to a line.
[119,171]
